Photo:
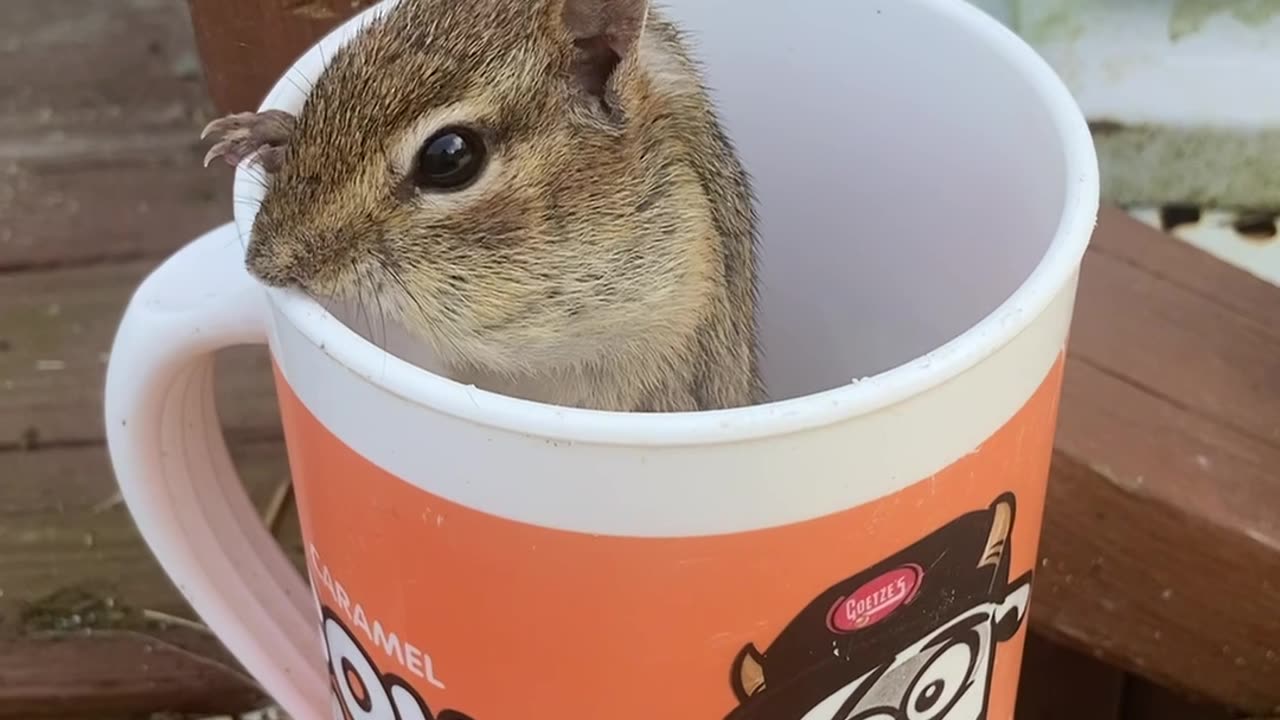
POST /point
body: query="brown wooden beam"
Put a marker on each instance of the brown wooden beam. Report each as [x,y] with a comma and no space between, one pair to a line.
[109,675]
[248,44]
[1161,547]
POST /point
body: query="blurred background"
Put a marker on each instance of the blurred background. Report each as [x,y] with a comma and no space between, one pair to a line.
[1184,98]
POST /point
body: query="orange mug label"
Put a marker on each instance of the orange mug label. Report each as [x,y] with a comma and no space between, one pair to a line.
[910,607]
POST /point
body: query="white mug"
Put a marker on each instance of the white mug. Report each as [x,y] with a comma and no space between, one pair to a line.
[862,546]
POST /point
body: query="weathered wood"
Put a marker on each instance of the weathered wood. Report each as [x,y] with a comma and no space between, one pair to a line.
[90,68]
[247,44]
[1161,547]
[119,675]
[56,328]
[75,577]
[56,537]
[1184,266]
[1219,358]
[101,103]
[76,211]
[1061,684]
[1158,589]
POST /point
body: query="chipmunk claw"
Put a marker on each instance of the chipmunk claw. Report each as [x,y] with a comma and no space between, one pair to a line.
[264,135]
[222,150]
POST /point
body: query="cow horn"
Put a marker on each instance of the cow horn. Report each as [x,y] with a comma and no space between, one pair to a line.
[1001,523]
[748,672]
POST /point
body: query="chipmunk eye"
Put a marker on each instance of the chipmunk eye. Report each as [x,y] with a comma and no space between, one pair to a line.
[450,159]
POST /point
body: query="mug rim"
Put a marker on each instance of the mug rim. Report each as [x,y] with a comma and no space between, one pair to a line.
[1019,310]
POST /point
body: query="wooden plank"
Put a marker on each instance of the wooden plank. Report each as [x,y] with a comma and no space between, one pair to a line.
[1158,589]
[77,68]
[127,205]
[1059,683]
[56,538]
[1167,474]
[101,104]
[118,675]
[247,44]
[1214,359]
[56,329]
[1182,265]
[75,578]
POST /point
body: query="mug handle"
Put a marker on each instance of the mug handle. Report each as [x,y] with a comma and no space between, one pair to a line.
[177,478]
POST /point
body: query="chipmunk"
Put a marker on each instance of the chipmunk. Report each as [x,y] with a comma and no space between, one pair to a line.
[539,189]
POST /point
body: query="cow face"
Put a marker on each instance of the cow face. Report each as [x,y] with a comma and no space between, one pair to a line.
[913,638]
[945,674]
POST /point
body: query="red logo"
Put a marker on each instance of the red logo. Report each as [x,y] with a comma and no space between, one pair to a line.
[875,600]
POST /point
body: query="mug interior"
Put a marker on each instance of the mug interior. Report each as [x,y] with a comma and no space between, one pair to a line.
[918,170]
[910,179]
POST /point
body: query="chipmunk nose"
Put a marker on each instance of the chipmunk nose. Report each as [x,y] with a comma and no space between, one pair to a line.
[278,261]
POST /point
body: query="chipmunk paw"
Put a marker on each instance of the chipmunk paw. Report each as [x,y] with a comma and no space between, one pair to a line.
[264,136]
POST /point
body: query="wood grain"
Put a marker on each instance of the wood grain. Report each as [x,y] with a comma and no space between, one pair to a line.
[119,675]
[56,537]
[61,548]
[1183,266]
[1161,546]
[1158,589]
[79,211]
[1210,358]
[101,105]
[88,69]
[248,44]
[56,329]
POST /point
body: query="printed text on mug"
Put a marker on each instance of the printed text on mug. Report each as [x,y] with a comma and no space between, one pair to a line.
[408,655]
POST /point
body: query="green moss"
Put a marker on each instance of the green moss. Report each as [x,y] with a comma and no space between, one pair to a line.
[1205,166]
[1059,23]
[1190,16]
[75,609]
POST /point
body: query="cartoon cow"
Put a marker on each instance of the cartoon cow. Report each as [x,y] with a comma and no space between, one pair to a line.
[913,638]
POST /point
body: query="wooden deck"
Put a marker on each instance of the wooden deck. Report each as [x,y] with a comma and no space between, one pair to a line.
[1161,559]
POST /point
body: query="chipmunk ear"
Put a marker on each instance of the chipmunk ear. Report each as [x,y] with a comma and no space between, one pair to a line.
[604,32]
